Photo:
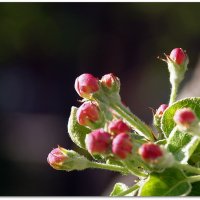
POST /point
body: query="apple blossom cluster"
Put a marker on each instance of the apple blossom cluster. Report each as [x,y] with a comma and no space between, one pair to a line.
[117,139]
[107,136]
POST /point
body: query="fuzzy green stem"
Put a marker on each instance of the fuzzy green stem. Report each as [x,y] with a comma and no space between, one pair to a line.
[173,94]
[193,179]
[133,120]
[108,167]
[128,191]
[187,168]
[133,170]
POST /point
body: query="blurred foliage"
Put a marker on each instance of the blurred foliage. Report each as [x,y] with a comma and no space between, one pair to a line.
[58,29]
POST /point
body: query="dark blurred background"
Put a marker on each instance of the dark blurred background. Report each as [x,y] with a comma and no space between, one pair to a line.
[45,46]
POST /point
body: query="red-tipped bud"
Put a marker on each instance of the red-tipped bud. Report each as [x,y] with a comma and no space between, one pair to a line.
[86,85]
[88,114]
[122,145]
[98,141]
[111,82]
[178,56]
[56,158]
[184,117]
[161,109]
[118,126]
[68,160]
[150,152]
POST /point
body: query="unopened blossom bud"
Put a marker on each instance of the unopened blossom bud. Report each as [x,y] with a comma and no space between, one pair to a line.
[150,152]
[161,109]
[98,141]
[118,126]
[177,63]
[185,117]
[86,85]
[122,145]
[88,114]
[56,158]
[68,160]
[178,56]
[111,82]
[157,118]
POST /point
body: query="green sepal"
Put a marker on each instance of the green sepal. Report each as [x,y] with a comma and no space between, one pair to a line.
[182,145]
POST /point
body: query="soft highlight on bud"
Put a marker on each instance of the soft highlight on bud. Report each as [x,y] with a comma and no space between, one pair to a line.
[118,126]
[185,117]
[88,114]
[178,56]
[98,141]
[86,85]
[122,145]
[150,152]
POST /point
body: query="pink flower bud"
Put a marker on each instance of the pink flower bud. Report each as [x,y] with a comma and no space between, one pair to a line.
[122,145]
[110,80]
[88,114]
[184,117]
[56,158]
[150,152]
[86,85]
[97,141]
[178,56]
[68,160]
[161,109]
[118,126]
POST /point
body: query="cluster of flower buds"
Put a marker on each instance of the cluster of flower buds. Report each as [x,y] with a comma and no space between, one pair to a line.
[86,85]
[104,138]
[119,141]
[105,142]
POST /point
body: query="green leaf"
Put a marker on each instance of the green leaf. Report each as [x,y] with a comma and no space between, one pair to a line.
[171,182]
[182,145]
[119,188]
[167,122]
[77,132]
[195,189]
[195,158]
